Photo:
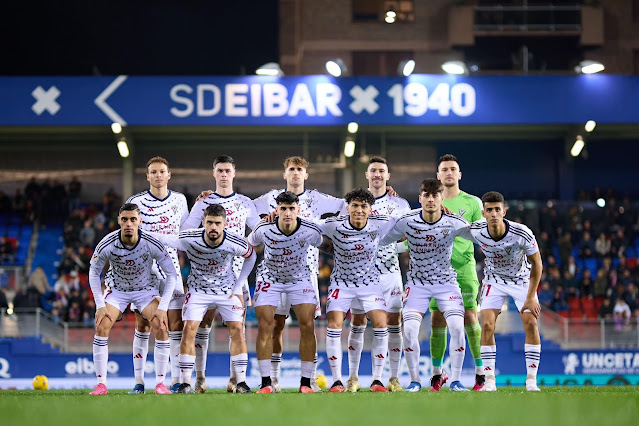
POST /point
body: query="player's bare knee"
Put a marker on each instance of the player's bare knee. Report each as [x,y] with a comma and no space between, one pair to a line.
[279,322]
[359,320]
[437,319]
[530,323]
[470,316]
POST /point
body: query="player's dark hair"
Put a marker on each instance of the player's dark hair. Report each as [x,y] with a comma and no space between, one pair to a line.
[377,159]
[492,197]
[295,161]
[361,195]
[157,159]
[215,210]
[287,197]
[223,159]
[129,207]
[447,157]
[431,186]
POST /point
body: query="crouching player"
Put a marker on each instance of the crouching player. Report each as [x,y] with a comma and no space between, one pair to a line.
[212,285]
[130,253]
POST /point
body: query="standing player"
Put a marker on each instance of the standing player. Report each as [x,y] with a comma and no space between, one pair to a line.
[430,234]
[212,285]
[313,205]
[387,265]
[512,268]
[162,211]
[130,279]
[285,270]
[356,239]
[463,260]
[240,212]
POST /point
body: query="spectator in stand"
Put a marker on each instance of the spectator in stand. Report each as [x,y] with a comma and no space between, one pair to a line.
[605,312]
[626,278]
[559,303]
[602,245]
[545,246]
[570,285]
[601,284]
[87,234]
[19,203]
[619,243]
[100,231]
[74,314]
[7,251]
[67,283]
[585,285]
[75,188]
[5,203]
[32,190]
[630,296]
[586,246]
[38,280]
[71,260]
[565,248]
[621,314]
[88,316]
[571,266]
[59,197]
[545,295]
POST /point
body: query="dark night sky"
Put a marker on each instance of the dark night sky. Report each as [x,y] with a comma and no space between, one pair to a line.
[162,37]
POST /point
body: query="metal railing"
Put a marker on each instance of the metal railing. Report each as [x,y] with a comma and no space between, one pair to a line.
[527,18]
[23,322]
[575,333]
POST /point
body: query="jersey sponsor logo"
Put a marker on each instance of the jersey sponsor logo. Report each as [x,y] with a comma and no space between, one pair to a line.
[430,238]
[462,211]
[129,262]
[342,234]
[199,252]
[237,308]
[164,219]
[150,209]
[287,252]
[498,256]
[229,212]
[308,290]
[213,262]
[455,298]
[117,258]
[273,242]
[359,247]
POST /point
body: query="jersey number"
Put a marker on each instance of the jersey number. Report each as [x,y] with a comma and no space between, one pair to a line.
[334,294]
[487,290]
[186,299]
[262,286]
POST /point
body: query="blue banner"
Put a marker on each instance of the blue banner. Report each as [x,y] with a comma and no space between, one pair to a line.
[318,100]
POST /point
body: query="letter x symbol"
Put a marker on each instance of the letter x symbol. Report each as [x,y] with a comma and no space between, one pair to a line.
[364,99]
[45,100]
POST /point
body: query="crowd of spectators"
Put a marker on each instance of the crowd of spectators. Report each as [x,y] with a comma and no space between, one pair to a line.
[589,254]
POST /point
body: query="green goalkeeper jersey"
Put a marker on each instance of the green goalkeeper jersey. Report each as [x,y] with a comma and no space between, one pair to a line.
[470,208]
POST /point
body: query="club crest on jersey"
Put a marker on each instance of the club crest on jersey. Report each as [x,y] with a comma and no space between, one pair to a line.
[308,202]
[508,249]
[302,243]
[445,231]
[224,255]
[373,235]
[174,208]
[390,209]
[145,257]
[237,206]
[462,211]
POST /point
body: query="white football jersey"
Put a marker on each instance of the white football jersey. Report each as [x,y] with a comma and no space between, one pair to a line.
[430,246]
[212,266]
[506,258]
[313,205]
[355,250]
[387,261]
[130,268]
[240,213]
[285,256]
[162,216]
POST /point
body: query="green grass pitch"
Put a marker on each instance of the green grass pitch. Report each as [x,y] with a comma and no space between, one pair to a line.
[553,406]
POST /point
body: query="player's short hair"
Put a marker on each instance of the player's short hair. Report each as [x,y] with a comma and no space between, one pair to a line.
[360,194]
[129,207]
[223,159]
[493,197]
[447,157]
[157,159]
[431,186]
[287,197]
[377,159]
[297,161]
[215,210]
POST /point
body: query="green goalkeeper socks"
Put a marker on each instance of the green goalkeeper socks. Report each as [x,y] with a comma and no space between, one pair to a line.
[438,345]
[473,331]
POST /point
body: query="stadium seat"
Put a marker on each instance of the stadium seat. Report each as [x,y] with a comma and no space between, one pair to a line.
[574,304]
[575,314]
[598,302]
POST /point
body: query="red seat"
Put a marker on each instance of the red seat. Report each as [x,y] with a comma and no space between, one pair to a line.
[577,314]
[592,314]
[599,302]
[563,314]
[588,303]
[574,304]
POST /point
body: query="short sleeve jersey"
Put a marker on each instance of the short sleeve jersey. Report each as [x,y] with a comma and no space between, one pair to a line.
[240,213]
[212,266]
[130,268]
[313,205]
[164,216]
[285,256]
[355,250]
[469,207]
[430,246]
[507,257]
[387,261]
